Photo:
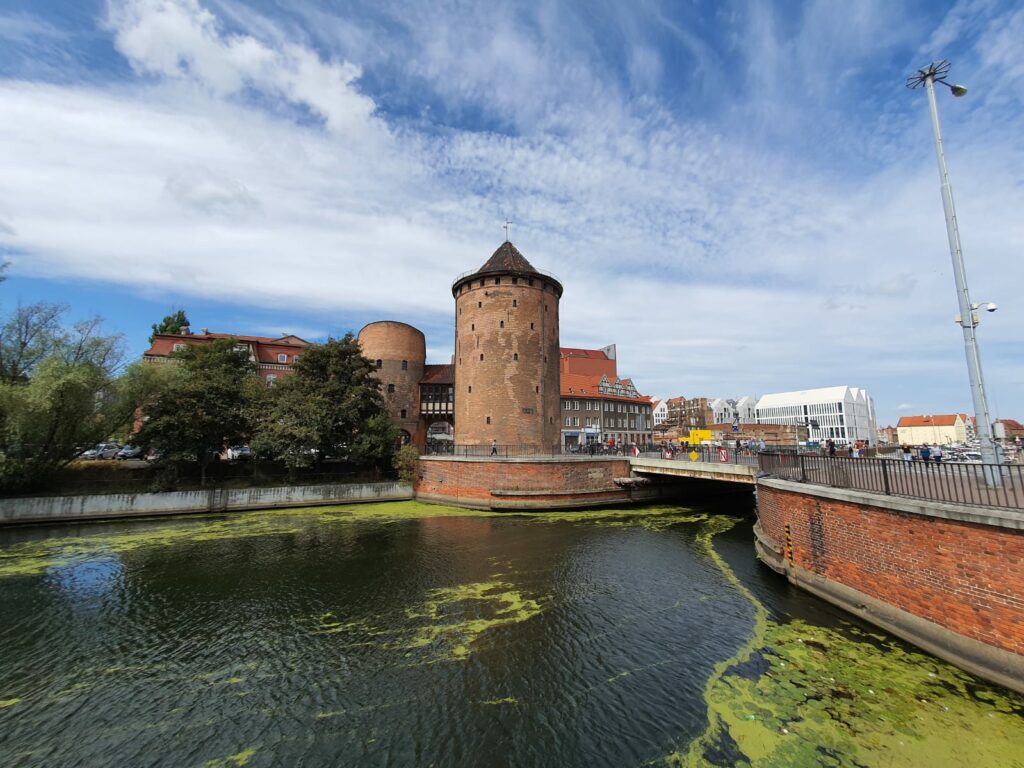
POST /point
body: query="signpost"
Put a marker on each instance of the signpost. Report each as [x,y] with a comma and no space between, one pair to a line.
[723,455]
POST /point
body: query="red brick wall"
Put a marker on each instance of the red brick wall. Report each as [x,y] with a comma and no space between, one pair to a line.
[475,479]
[966,577]
[514,327]
[394,343]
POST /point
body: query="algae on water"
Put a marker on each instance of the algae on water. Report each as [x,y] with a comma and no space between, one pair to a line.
[802,695]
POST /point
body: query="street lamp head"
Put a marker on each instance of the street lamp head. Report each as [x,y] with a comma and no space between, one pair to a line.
[991,307]
[958,90]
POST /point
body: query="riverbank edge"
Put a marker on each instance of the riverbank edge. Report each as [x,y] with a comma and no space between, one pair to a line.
[985,661]
[44,510]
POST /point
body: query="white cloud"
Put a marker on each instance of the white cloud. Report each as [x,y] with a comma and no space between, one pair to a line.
[715,265]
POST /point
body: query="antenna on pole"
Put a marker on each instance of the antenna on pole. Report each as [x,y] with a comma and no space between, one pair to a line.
[506,225]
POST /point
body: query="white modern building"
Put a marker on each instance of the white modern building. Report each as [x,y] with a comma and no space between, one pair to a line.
[659,412]
[730,411]
[841,414]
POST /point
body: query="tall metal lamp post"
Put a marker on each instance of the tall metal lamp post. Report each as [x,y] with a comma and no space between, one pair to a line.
[937,72]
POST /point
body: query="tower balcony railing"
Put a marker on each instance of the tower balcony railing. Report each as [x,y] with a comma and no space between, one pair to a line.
[538,272]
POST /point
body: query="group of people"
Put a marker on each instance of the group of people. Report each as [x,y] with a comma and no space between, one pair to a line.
[926,452]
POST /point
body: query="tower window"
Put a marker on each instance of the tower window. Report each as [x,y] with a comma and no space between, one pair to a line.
[391,387]
[515,303]
[502,324]
[529,281]
[497,281]
[471,389]
[488,419]
[515,281]
[472,326]
[379,364]
[481,355]
[538,390]
[403,413]
[545,307]
[515,355]
[405,365]
[531,326]
[479,304]
[460,361]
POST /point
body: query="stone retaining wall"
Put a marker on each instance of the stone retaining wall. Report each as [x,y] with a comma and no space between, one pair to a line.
[57,509]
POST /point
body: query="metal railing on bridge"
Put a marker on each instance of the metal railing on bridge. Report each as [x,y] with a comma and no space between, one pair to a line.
[711,454]
[988,485]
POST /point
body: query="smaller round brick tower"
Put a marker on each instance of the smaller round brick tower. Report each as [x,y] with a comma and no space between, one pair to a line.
[506,354]
[398,351]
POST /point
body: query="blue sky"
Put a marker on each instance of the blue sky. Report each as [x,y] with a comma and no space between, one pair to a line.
[742,196]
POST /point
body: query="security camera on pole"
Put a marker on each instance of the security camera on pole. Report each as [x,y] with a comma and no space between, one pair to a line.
[928,76]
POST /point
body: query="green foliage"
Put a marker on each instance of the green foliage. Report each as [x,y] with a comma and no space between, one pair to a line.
[405,461]
[329,407]
[64,407]
[208,403]
[170,324]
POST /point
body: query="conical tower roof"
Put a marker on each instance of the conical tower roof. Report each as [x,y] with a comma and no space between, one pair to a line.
[507,260]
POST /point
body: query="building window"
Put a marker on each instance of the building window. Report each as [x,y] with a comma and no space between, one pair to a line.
[391,387]
[501,324]
[538,390]
[471,389]
[295,358]
[567,420]
[282,358]
[403,413]
[380,363]
[479,304]
[481,357]
[531,326]
[179,347]
[515,355]
[472,326]
[514,302]
[488,419]
[405,365]
[271,378]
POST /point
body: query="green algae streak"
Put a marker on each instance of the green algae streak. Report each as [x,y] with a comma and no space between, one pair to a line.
[31,558]
[240,759]
[833,697]
[4,703]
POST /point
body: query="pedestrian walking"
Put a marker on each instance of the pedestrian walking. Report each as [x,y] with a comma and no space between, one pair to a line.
[937,453]
[926,453]
[908,456]
[494,447]
[831,448]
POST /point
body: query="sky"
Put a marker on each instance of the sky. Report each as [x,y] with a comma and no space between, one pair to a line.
[742,196]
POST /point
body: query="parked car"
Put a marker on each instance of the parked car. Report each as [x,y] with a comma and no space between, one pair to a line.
[102,451]
[239,452]
[129,452]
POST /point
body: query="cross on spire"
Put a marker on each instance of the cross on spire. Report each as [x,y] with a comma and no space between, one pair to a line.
[507,224]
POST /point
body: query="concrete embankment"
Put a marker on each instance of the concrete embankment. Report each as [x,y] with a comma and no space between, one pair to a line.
[62,509]
[946,577]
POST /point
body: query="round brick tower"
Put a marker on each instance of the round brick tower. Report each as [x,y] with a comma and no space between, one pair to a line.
[506,354]
[398,351]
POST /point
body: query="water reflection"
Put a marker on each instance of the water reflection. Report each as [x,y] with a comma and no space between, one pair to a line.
[412,635]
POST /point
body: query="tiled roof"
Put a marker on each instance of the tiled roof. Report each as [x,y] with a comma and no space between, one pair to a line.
[581,385]
[594,354]
[267,348]
[438,374]
[507,259]
[1011,423]
[940,420]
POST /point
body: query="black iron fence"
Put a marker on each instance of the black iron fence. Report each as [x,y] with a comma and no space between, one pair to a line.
[989,485]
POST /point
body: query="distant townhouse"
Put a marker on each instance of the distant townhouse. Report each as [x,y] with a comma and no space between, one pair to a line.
[598,406]
[941,429]
[675,410]
[697,414]
[274,357]
[842,414]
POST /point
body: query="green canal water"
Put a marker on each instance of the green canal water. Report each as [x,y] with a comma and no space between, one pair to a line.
[403,634]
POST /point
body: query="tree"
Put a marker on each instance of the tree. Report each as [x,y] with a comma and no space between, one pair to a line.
[330,406]
[71,400]
[406,459]
[206,405]
[27,337]
[172,323]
